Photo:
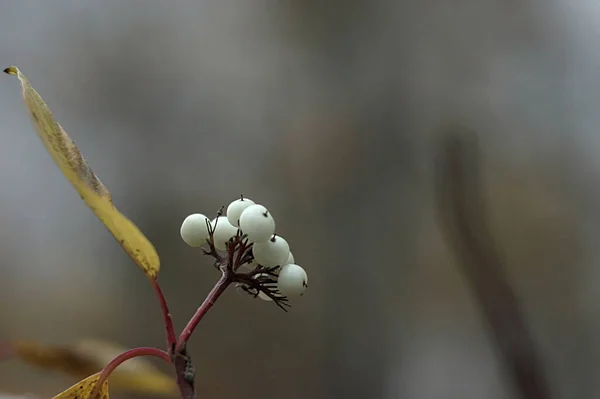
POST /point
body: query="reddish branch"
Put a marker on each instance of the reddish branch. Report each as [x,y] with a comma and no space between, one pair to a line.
[122,358]
[462,214]
[178,355]
[208,303]
[168,321]
[184,367]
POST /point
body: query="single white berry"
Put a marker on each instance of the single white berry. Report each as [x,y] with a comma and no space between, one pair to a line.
[261,294]
[257,223]
[273,252]
[244,289]
[194,230]
[264,296]
[235,209]
[223,232]
[292,280]
[290,259]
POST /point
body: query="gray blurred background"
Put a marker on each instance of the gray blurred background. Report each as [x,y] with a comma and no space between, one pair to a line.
[326,112]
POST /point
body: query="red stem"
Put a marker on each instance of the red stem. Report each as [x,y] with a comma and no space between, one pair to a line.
[123,357]
[213,295]
[171,338]
[184,369]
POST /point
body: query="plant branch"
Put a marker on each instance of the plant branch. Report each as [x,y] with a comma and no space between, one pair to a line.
[184,368]
[123,357]
[208,303]
[462,216]
[170,331]
[186,374]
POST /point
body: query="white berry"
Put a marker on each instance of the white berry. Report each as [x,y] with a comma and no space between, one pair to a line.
[292,280]
[264,296]
[194,230]
[290,259]
[235,209]
[261,294]
[273,252]
[257,223]
[223,232]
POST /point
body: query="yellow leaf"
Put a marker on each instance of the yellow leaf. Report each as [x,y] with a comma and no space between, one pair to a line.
[76,169]
[57,358]
[89,356]
[83,389]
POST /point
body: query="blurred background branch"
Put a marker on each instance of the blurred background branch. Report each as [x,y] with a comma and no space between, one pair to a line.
[463,216]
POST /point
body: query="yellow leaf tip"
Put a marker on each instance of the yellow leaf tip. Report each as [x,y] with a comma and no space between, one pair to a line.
[11,70]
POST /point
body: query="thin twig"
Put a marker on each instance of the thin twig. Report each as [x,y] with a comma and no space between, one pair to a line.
[462,214]
[184,368]
[208,303]
[167,319]
[122,358]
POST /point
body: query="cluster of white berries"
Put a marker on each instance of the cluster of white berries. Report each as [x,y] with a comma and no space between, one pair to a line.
[251,227]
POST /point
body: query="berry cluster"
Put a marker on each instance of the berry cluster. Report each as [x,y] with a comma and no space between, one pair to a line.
[245,247]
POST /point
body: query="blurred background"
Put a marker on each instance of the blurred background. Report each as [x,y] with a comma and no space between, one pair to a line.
[327,113]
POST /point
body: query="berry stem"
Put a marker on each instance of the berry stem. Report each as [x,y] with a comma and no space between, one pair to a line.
[208,303]
[123,357]
[184,367]
[171,338]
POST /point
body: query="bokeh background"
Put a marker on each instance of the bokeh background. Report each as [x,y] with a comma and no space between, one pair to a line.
[327,113]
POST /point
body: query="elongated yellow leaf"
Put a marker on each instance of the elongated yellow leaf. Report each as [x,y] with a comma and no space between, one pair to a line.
[76,169]
[84,388]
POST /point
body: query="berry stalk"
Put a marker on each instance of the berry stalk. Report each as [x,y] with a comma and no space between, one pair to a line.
[208,303]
